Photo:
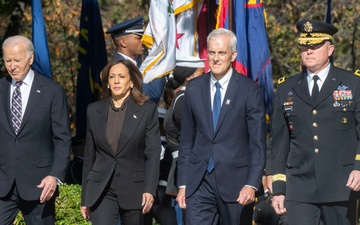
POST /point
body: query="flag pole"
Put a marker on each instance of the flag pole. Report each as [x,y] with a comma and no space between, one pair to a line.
[230,13]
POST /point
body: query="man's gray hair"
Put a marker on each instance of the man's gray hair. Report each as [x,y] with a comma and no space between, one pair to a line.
[15,40]
[224,32]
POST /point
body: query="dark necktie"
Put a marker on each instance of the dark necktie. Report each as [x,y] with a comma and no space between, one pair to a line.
[216,104]
[16,108]
[215,114]
[315,90]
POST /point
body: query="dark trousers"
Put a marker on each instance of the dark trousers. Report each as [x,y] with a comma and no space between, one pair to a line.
[206,207]
[107,210]
[334,213]
[164,212]
[34,212]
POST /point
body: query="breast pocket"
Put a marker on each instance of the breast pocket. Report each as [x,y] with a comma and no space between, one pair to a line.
[344,118]
[292,121]
[294,160]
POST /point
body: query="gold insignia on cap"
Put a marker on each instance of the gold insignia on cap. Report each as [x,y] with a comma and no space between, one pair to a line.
[357,73]
[308,27]
[313,38]
[278,177]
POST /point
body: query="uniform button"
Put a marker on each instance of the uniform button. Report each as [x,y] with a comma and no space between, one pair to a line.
[316,138]
[315,125]
[344,109]
[314,112]
[316,150]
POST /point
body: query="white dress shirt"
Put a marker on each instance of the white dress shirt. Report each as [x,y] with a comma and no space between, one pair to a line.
[322,76]
[25,90]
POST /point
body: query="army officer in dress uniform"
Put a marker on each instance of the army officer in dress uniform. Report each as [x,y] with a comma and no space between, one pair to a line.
[315,152]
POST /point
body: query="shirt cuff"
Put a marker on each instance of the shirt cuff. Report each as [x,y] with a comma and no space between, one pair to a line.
[251,187]
[58,181]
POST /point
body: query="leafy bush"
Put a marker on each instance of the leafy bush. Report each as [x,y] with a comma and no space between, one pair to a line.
[67,207]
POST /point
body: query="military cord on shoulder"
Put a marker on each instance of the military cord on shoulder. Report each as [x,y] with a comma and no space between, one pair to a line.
[281,80]
[357,73]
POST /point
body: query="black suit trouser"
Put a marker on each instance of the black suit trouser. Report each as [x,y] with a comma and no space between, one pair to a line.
[34,212]
[107,210]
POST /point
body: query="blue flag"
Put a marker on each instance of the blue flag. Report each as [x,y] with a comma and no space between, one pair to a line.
[92,58]
[259,63]
[328,12]
[253,59]
[41,54]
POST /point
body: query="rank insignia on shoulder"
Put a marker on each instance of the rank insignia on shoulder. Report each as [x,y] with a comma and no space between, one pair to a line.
[357,73]
[281,80]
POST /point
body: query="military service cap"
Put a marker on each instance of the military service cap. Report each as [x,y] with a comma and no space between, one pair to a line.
[132,26]
[313,32]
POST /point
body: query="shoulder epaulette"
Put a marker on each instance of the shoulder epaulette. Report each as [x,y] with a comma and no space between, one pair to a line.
[281,80]
[357,73]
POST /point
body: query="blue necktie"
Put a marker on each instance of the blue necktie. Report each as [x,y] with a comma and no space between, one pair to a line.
[215,115]
[16,108]
[216,104]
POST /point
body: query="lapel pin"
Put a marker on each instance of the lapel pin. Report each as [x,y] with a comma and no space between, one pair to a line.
[227,102]
[38,91]
[134,116]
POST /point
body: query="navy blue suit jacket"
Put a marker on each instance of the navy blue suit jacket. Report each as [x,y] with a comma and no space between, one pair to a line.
[238,144]
[42,146]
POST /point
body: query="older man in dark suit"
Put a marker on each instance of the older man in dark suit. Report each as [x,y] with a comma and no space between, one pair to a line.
[34,135]
[222,142]
[315,148]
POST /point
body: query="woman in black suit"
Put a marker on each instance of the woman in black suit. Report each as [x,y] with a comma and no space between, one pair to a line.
[122,150]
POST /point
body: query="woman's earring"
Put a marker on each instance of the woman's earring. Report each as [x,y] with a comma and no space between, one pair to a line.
[108,86]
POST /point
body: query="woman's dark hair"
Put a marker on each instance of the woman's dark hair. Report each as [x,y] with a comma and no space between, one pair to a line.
[135,77]
[180,74]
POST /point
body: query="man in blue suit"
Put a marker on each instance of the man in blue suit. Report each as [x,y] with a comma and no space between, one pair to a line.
[222,155]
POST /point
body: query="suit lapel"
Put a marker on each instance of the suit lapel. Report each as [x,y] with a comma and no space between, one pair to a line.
[100,120]
[301,89]
[206,99]
[229,96]
[132,119]
[332,81]
[36,91]
[5,95]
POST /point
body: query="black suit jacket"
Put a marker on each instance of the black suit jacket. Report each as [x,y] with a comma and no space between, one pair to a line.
[315,145]
[42,146]
[136,161]
[238,143]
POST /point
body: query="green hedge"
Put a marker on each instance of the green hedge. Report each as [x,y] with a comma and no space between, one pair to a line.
[67,207]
